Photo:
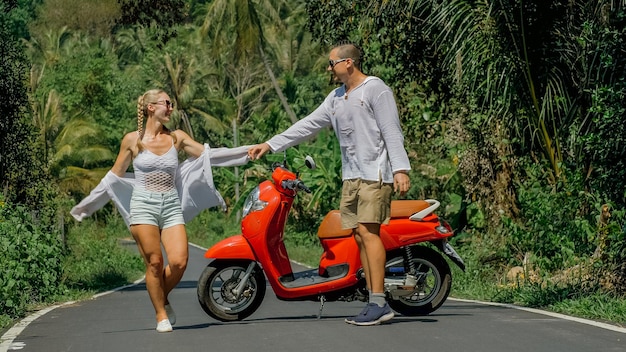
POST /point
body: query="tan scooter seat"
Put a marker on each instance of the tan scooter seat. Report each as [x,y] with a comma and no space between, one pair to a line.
[331,225]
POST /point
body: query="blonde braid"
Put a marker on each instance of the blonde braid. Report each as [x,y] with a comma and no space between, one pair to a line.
[148,97]
[140,113]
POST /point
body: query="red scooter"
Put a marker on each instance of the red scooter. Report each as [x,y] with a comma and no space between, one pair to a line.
[417,277]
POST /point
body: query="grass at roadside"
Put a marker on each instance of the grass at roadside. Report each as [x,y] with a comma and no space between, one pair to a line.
[485,286]
[93,261]
[98,257]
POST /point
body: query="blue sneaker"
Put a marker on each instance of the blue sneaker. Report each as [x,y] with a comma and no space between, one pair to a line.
[372,315]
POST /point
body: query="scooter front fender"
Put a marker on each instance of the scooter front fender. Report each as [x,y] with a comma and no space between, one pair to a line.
[234,247]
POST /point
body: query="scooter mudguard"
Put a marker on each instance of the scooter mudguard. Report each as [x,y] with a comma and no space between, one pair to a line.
[234,247]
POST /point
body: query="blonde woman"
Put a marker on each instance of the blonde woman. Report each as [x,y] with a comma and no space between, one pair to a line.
[153,211]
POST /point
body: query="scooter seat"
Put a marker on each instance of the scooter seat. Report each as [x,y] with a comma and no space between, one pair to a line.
[406,208]
[331,226]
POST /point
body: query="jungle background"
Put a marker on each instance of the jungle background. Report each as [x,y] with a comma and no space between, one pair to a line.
[513,113]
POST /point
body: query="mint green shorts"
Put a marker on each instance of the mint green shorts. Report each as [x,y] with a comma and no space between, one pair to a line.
[155,208]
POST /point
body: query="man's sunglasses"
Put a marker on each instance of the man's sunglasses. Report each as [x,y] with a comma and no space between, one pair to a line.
[332,63]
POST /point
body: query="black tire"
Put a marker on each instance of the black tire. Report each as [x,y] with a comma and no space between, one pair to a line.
[432,289]
[215,290]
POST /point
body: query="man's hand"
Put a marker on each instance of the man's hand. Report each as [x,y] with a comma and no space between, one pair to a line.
[257,151]
[401,182]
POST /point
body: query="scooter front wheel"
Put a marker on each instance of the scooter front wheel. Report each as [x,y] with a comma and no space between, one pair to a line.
[216,290]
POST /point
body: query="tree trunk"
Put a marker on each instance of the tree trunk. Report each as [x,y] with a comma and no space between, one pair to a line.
[281,96]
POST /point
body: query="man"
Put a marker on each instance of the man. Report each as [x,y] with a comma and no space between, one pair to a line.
[364,116]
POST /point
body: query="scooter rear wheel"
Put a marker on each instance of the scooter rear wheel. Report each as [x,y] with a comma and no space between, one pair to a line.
[433,287]
[215,290]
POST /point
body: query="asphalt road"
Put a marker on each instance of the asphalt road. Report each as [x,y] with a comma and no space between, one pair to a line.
[124,321]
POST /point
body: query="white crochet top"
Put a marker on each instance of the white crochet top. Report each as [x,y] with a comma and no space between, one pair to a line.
[156,173]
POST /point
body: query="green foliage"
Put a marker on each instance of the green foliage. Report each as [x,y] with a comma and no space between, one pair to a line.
[602,146]
[597,43]
[557,226]
[536,295]
[98,260]
[211,226]
[164,15]
[21,13]
[96,17]
[96,89]
[31,260]
[595,306]
[21,172]
[324,181]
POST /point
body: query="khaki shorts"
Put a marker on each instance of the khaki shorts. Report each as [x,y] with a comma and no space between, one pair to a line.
[365,202]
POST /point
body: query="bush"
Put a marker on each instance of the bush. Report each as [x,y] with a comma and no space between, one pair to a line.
[98,262]
[557,224]
[30,261]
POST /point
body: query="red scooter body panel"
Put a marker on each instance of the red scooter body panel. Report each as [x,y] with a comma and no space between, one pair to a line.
[403,231]
[235,247]
[264,230]
[339,251]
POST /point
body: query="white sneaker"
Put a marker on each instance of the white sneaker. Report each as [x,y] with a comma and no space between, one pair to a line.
[170,314]
[164,326]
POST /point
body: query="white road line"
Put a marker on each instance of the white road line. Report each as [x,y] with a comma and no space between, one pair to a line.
[6,341]
[551,314]
[16,330]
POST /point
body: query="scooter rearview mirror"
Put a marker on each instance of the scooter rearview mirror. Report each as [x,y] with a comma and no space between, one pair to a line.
[309,162]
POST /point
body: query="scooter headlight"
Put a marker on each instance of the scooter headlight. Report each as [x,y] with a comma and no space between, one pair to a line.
[253,203]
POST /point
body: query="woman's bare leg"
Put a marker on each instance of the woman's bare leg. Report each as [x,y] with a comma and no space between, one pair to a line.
[148,240]
[175,243]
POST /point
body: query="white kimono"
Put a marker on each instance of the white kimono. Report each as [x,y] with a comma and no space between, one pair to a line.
[194,182]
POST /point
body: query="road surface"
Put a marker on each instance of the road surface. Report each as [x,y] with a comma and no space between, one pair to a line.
[124,320]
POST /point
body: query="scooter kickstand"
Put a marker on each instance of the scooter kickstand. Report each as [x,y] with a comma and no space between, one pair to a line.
[322,300]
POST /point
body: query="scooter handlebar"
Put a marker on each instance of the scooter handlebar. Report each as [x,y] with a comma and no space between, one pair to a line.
[295,185]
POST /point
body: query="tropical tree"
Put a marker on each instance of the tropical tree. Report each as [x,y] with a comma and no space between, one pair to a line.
[189,76]
[499,54]
[248,20]
[48,118]
[162,16]
[96,17]
[132,44]
[76,162]
[21,172]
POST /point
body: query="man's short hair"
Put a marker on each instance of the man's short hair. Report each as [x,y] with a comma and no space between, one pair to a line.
[350,50]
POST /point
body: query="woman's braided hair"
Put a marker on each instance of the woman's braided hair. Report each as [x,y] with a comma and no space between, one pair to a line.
[146,98]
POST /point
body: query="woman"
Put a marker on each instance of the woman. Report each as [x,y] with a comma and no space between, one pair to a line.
[155,215]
